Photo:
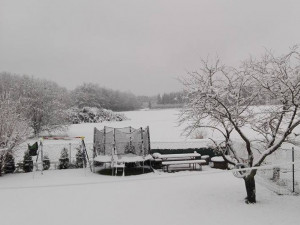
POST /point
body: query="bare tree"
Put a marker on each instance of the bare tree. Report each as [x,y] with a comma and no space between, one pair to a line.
[223,99]
[44,102]
[14,127]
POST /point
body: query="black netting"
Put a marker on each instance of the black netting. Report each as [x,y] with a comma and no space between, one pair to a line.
[119,141]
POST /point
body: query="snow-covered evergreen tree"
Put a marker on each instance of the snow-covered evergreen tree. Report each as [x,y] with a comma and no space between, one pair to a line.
[27,162]
[9,163]
[79,158]
[46,162]
[64,159]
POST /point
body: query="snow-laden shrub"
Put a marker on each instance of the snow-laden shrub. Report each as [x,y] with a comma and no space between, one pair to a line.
[64,159]
[9,163]
[27,162]
[93,115]
[46,162]
[79,158]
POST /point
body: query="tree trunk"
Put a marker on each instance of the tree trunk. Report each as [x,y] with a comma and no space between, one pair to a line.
[250,189]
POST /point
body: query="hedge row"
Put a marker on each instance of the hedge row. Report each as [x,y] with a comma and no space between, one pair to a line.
[202,151]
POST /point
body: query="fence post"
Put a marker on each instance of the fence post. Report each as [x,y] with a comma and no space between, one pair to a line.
[104,140]
[143,148]
[130,140]
[70,148]
[94,143]
[293,168]
[149,144]
[42,156]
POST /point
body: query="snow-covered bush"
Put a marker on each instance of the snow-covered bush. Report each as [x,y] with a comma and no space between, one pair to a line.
[46,162]
[64,159]
[79,158]
[27,162]
[93,115]
[9,163]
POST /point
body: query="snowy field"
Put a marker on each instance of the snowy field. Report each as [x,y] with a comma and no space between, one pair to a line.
[164,132]
[163,125]
[77,197]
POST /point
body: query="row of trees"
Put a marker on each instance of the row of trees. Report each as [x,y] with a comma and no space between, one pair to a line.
[171,98]
[92,95]
[221,98]
[29,106]
[44,104]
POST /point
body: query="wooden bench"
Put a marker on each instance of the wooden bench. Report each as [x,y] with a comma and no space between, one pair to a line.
[174,156]
[193,162]
[177,159]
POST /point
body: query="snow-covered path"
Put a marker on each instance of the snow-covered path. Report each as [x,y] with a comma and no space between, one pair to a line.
[80,197]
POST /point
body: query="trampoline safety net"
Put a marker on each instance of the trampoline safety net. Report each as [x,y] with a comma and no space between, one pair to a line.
[121,141]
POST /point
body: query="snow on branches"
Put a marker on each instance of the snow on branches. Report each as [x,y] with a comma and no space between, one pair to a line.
[14,127]
[262,95]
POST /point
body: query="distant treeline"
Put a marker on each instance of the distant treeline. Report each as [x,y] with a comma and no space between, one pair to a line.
[46,106]
[171,98]
[85,95]
[92,95]
[162,101]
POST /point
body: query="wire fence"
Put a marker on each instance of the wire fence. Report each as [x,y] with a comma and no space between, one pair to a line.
[278,173]
[283,179]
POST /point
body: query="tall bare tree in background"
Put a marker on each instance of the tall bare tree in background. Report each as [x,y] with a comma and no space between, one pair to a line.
[14,127]
[43,102]
[223,99]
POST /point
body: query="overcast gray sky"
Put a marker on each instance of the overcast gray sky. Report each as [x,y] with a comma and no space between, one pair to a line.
[137,45]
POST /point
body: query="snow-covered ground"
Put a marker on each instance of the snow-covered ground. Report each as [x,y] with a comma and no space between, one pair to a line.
[164,132]
[77,197]
[163,125]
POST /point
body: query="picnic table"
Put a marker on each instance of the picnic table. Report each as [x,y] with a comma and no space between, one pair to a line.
[178,159]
